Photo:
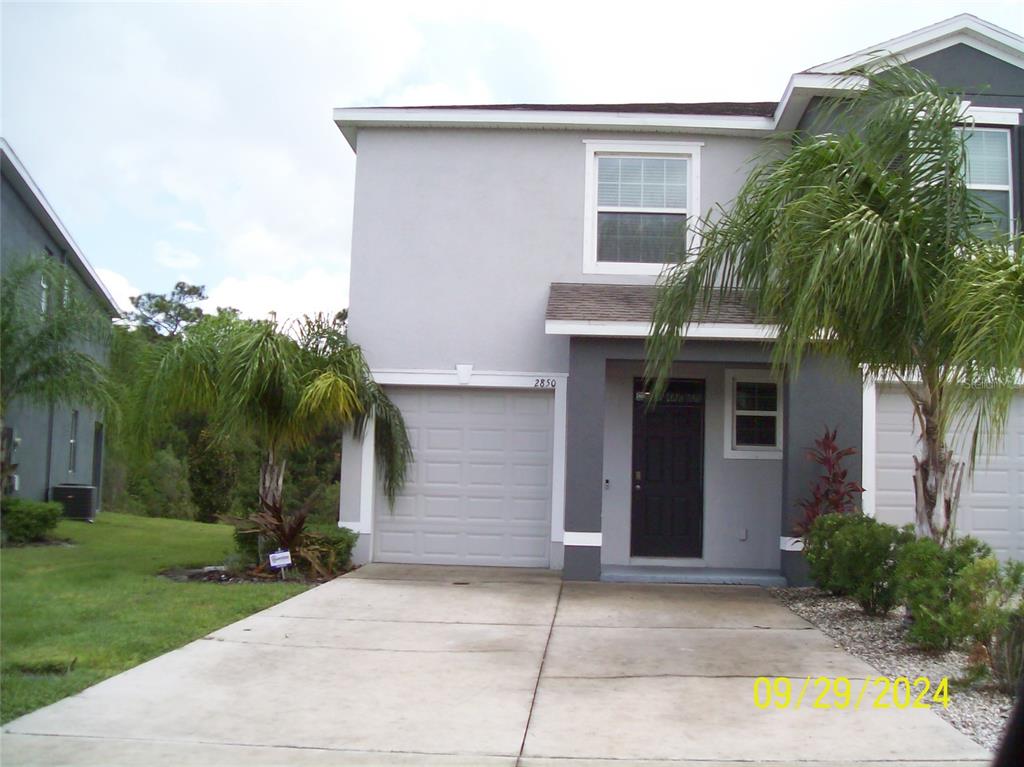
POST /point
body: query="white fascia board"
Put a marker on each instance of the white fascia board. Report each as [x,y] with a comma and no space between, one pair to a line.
[349,120]
[1008,116]
[712,331]
[804,86]
[23,182]
[965,28]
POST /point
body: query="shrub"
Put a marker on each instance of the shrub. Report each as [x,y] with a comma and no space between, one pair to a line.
[832,492]
[341,541]
[865,556]
[1007,657]
[819,549]
[211,477]
[926,578]
[25,521]
[160,488]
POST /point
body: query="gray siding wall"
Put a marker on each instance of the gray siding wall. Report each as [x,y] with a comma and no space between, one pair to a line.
[985,81]
[22,235]
[458,233]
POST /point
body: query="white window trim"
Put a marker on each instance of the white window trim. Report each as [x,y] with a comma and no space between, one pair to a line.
[755,453]
[690,150]
[1008,188]
[466,376]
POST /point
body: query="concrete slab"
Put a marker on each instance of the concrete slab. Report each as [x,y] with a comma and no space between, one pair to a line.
[620,652]
[401,666]
[260,695]
[697,718]
[48,751]
[382,571]
[672,606]
[542,762]
[408,601]
[385,636]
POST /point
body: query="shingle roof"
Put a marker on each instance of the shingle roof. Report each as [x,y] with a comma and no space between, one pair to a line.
[592,302]
[742,108]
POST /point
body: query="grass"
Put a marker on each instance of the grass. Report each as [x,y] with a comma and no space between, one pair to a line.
[75,615]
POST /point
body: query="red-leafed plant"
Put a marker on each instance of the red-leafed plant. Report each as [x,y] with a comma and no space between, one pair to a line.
[832,492]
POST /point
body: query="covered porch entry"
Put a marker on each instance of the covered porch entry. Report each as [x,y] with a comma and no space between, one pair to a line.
[701,486]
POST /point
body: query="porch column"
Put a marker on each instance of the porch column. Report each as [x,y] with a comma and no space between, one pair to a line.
[584,464]
[825,393]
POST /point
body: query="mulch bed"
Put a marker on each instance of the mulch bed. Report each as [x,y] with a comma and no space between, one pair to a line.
[217,574]
[977,710]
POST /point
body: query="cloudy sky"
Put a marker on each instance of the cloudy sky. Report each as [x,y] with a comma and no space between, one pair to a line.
[194,140]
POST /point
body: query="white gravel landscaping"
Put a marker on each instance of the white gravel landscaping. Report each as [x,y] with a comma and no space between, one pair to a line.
[979,711]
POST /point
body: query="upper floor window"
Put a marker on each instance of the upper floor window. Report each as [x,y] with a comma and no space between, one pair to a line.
[989,177]
[640,200]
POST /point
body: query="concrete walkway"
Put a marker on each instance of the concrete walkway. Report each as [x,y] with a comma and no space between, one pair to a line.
[484,666]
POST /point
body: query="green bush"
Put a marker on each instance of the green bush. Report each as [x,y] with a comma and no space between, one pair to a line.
[160,488]
[926,580]
[820,551]
[865,555]
[341,541]
[25,521]
[211,477]
[1007,655]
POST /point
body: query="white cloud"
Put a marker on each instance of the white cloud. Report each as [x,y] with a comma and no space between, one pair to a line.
[184,225]
[120,288]
[256,295]
[174,257]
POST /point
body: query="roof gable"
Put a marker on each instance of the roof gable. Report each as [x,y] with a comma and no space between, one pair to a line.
[965,29]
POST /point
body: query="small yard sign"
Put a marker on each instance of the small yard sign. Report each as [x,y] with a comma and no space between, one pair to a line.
[280,558]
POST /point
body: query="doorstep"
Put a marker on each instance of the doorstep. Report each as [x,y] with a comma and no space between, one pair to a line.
[707,575]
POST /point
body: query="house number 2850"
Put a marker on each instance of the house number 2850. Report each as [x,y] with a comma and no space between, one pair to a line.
[544,383]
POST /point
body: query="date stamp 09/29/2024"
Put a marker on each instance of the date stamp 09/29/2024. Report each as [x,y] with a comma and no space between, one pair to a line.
[840,693]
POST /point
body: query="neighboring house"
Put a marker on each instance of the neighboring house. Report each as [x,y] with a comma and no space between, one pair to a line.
[503,264]
[51,445]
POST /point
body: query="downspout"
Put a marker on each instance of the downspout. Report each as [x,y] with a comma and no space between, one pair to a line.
[49,453]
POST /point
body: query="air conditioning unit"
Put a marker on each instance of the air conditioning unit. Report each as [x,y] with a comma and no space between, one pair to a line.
[79,501]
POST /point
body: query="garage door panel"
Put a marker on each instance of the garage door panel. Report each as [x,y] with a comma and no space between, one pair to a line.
[992,501]
[480,483]
[444,439]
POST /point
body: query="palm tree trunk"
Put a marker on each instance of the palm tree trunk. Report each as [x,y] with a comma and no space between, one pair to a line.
[937,479]
[271,481]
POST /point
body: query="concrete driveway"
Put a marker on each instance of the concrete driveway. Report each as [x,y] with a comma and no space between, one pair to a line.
[407,665]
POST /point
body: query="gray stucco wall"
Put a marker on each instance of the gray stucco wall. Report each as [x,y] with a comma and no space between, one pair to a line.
[824,393]
[22,235]
[458,233]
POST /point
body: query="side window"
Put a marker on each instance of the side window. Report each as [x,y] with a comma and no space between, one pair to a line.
[753,417]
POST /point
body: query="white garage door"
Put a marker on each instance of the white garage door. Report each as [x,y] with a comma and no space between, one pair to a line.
[479,491]
[991,506]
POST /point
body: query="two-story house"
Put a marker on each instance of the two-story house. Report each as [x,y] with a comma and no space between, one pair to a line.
[503,268]
[50,444]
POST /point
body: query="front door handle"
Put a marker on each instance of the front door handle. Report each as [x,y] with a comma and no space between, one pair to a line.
[636,480]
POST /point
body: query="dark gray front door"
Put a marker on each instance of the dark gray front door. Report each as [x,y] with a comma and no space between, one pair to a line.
[668,471]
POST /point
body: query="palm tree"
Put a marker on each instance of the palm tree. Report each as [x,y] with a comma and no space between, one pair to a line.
[865,243]
[53,338]
[282,384]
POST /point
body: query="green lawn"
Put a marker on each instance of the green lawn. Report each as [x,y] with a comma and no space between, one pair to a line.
[100,604]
